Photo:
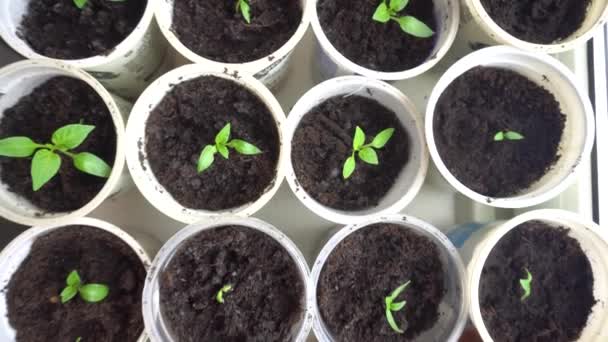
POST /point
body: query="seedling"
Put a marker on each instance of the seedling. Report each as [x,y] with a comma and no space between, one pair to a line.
[526,285]
[408,24]
[221,145]
[46,162]
[220,294]
[91,293]
[365,152]
[391,306]
[508,135]
[78,339]
[81,3]
[243,7]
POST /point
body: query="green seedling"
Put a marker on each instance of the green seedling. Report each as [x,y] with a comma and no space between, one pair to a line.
[222,144]
[46,161]
[410,25]
[243,7]
[91,293]
[526,285]
[220,294]
[78,339]
[508,135]
[365,152]
[81,3]
[391,306]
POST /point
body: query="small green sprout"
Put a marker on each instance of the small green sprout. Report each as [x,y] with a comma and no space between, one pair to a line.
[81,3]
[526,285]
[221,145]
[391,306]
[78,339]
[46,162]
[365,152]
[407,23]
[508,135]
[243,7]
[220,294]
[91,293]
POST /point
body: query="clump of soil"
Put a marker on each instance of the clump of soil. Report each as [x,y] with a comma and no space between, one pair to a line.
[35,310]
[59,29]
[561,290]
[323,141]
[538,21]
[349,26]
[187,119]
[215,30]
[267,296]
[482,102]
[55,103]
[365,268]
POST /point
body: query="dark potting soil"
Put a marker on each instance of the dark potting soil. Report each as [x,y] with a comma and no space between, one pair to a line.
[187,119]
[482,102]
[323,141]
[349,26]
[55,103]
[365,268]
[59,29]
[215,30]
[267,296]
[34,306]
[538,21]
[561,290]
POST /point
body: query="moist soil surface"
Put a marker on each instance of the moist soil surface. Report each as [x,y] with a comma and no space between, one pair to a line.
[479,104]
[59,29]
[215,30]
[267,296]
[323,141]
[187,119]
[58,102]
[34,306]
[561,290]
[365,268]
[538,21]
[349,26]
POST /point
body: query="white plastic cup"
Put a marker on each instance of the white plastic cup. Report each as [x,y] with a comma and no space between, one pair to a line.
[126,69]
[19,79]
[137,160]
[15,252]
[452,310]
[480,28]
[158,328]
[577,138]
[411,178]
[269,69]
[331,63]
[481,239]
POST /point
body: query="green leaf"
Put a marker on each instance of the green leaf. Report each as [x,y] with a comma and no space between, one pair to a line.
[94,293]
[500,136]
[78,339]
[223,136]
[68,293]
[349,167]
[220,294]
[223,150]
[398,5]
[414,27]
[245,11]
[71,136]
[382,138]
[206,158]
[80,3]
[359,139]
[243,147]
[45,165]
[391,321]
[92,164]
[526,285]
[398,291]
[382,13]
[18,147]
[73,279]
[511,135]
[369,155]
[397,306]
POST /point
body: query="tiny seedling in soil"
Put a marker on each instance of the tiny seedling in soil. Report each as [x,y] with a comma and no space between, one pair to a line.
[222,144]
[384,13]
[526,285]
[81,3]
[220,294]
[243,7]
[78,339]
[365,152]
[91,293]
[508,135]
[46,162]
[391,306]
